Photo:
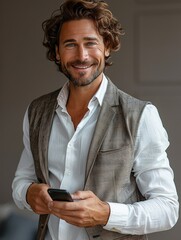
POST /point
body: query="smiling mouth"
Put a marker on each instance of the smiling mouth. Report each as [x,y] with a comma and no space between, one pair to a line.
[82,67]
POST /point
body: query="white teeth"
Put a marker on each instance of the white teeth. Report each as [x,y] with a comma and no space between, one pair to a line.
[81,67]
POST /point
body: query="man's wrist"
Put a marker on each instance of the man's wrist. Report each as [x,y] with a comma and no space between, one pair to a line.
[107,213]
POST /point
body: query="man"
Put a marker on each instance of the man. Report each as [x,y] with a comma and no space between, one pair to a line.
[103,146]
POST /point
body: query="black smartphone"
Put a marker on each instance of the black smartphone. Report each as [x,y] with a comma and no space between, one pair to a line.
[60,195]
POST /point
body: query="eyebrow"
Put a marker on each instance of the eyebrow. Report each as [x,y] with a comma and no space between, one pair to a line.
[91,39]
[69,40]
[85,38]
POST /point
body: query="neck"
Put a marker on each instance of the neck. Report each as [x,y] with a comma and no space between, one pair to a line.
[79,97]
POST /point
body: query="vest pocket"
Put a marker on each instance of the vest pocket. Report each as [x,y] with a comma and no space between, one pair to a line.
[111,171]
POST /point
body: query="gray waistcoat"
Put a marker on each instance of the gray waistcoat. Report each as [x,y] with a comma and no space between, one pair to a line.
[111,153]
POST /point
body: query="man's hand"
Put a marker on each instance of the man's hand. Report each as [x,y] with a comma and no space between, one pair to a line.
[86,211]
[38,198]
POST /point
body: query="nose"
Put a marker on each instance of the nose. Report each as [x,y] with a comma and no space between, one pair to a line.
[82,53]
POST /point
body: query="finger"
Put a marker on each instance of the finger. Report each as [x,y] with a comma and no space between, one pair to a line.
[76,218]
[43,201]
[46,197]
[64,206]
[80,195]
[38,198]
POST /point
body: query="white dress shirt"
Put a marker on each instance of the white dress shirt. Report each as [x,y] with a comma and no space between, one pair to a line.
[67,154]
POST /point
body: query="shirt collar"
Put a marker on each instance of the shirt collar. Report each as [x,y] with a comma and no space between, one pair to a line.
[63,96]
[99,95]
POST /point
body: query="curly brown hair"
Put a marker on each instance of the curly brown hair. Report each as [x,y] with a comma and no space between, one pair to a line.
[97,10]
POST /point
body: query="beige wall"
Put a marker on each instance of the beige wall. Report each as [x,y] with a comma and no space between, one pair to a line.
[25,73]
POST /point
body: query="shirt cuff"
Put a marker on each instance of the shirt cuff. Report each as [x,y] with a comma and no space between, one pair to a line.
[118,217]
[23,194]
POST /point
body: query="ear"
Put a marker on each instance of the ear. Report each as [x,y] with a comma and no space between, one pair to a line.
[57,53]
[107,52]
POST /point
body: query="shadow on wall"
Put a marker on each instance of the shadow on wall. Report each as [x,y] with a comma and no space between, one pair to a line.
[17,224]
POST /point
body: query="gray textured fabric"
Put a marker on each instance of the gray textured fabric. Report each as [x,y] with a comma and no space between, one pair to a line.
[110,158]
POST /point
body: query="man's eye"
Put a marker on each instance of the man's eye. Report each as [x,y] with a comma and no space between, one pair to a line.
[70,45]
[91,44]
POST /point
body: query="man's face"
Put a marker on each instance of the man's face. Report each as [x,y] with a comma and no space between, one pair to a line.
[81,52]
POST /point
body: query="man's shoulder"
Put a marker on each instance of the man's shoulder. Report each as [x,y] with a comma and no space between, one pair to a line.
[46,101]
[123,98]
[129,99]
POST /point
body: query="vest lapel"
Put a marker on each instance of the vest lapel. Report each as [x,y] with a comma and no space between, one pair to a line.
[106,115]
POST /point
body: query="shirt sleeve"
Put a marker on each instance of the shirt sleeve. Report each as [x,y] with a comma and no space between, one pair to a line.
[154,177]
[25,173]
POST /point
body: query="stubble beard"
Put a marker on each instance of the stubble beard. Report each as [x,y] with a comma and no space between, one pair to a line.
[81,81]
